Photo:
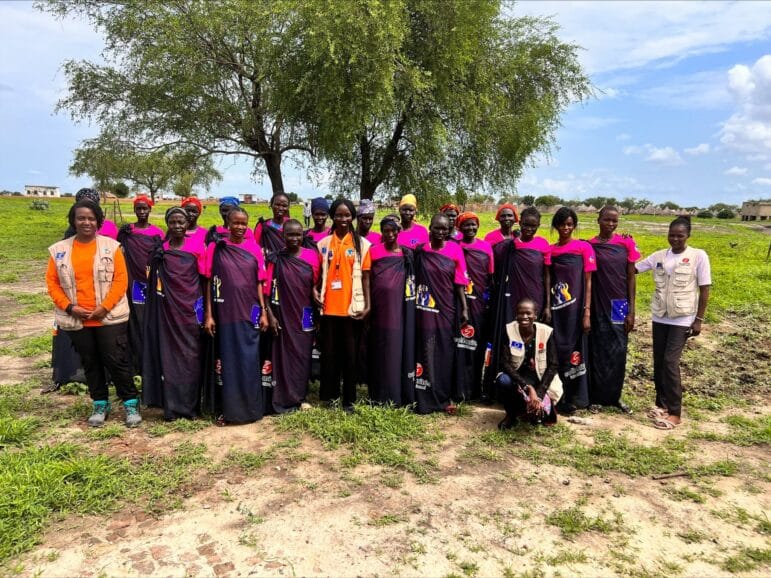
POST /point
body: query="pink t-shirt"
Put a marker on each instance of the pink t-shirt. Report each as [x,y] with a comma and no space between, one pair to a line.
[454,252]
[632,252]
[412,237]
[495,237]
[225,232]
[317,235]
[373,237]
[313,258]
[199,233]
[379,251]
[150,231]
[577,247]
[109,229]
[536,244]
[196,247]
[247,245]
[484,247]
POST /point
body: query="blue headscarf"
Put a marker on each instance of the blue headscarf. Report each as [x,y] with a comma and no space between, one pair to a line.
[230,201]
[319,203]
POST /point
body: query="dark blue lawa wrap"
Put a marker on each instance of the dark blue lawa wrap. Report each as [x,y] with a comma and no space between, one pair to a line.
[608,340]
[137,249]
[172,361]
[436,321]
[472,339]
[391,343]
[272,239]
[235,388]
[567,304]
[291,300]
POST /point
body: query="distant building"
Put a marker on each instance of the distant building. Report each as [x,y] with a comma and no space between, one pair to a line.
[41,191]
[756,210]
[247,198]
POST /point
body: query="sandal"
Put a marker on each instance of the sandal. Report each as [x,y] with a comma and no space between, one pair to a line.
[657,413]
[664,424]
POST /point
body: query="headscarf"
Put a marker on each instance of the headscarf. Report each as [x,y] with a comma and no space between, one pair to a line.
[508,206]
[366,207]
[409,199]
[319,203]
[449,206]
[229,201]
[172,210]
[143,199]
[192,201]
[468,215]
[89,194]
[390,221]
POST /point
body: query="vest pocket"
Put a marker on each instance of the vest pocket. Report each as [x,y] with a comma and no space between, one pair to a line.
[682,276]
[685,304]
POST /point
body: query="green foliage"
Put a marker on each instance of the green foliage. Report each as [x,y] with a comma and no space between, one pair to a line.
[573,521]
[725,214]
[378,435]
[599,202]
[670,205]
[15,431]
[120,189]
[747,559]
[547,201]
[30,302]
[528,200]
[744,431]
[39,206]
[704,215]
[30,346]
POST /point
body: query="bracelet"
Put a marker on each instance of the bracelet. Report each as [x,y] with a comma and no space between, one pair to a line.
[69,308]
[587,307]
[699,318]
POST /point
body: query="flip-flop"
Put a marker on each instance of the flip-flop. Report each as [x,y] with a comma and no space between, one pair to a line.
[657,413]
[664,424]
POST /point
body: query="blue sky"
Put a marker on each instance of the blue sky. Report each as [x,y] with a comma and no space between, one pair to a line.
[683,110]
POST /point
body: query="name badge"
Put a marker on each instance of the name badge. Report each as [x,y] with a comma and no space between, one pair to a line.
[308,322]
[336,285]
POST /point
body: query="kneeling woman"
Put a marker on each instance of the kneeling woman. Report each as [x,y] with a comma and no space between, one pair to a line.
[173,344]
[529,385]
[235,315]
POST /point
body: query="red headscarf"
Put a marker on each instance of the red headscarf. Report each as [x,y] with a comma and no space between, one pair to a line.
[465,217]
[143,199]
[449,206]
[508,206]
[192,201]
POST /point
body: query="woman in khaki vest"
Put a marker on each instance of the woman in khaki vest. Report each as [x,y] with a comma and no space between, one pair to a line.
[682,279]
[87,281]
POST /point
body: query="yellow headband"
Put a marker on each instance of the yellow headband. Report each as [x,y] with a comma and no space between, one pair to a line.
[409,199]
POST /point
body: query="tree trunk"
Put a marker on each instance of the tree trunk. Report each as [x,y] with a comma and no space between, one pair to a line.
[273,166]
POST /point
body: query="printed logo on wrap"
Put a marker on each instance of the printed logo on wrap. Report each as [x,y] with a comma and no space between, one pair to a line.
[138,293]
[255,316]
[420,382]
[198,308]
[267,374]
[425,300]
[309,319]
[561,295]
[619,309]
[409,288]
[466,339]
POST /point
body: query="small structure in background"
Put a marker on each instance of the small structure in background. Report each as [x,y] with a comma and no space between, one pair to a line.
[756,210]
[41,191]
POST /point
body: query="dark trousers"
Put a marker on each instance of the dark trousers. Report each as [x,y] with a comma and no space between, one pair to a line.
[339,349]
[509,392]
[668,343]
[105,347]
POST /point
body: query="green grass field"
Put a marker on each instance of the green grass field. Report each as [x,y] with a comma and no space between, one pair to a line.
[52,471]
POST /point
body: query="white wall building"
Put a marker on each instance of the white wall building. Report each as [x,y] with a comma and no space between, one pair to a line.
[41,191]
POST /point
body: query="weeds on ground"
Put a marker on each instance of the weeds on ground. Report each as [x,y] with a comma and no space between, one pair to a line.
[573,521]
[30,303]
[30,347]
[377,435]
[747,559]
[160,429]
[248,462]
[15,431]
[743,431]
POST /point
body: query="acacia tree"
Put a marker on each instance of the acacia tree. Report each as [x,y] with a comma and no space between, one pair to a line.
[106,159]
[475,94]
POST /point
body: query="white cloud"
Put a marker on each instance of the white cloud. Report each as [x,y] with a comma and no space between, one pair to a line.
[736,171]
[666,156]
[589,122]
[626,35]
[702,90]
[762,181]
[699,149]
[749,128]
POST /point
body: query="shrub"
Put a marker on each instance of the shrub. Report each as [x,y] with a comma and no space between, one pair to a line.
[726,214]
[704,215]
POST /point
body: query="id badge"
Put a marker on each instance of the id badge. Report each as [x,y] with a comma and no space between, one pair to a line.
[308,322]
[198,308]
[255,317]
[336,285]
[619,309]
[138,293]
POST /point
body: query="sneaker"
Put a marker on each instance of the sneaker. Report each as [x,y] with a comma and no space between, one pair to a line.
[133,419]
[99,413]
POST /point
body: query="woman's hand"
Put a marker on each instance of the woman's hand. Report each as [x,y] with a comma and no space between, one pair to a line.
[695,328]
[98,314]
[275,327]
[81,313]
[629,323]
[264,321]
[209,325]
[587,321]
[361,314]
[533,403]
[464,316]
[546,315]
[317,298]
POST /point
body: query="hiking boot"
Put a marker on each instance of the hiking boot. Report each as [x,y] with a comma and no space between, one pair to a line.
[131,406]
[99,413]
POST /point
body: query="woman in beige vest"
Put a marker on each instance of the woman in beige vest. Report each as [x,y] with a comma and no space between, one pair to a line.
[87,281]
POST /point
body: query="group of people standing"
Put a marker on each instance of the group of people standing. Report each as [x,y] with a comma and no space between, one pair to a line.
[226,321]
